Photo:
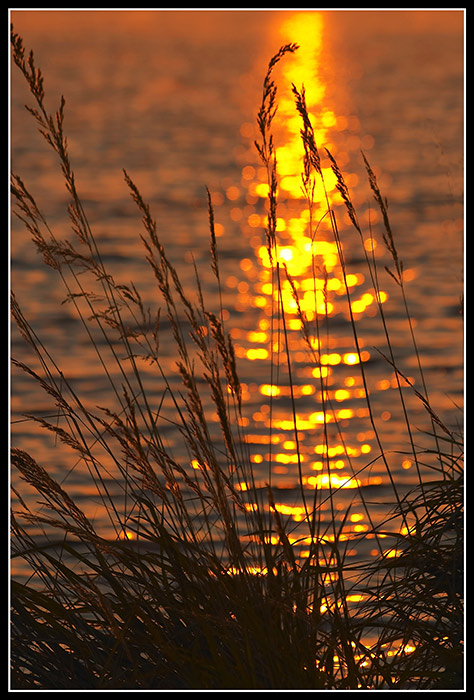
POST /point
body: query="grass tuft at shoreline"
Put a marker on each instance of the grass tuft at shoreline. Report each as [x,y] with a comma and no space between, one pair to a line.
[203,586]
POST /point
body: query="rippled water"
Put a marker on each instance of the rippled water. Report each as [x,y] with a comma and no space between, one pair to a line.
[172,98]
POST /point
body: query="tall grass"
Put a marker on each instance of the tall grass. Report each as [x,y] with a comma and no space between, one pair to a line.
[201,586]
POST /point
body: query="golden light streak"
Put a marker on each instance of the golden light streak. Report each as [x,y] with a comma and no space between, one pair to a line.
[298,288]
[334,481]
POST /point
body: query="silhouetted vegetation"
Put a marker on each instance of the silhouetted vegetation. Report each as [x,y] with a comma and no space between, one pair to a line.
[202,587]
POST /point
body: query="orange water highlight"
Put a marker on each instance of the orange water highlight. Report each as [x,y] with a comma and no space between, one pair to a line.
[303,69]
[311,289]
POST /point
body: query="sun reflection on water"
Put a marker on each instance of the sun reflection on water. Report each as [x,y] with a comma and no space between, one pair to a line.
[305,419]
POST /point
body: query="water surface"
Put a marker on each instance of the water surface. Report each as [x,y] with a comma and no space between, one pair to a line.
[172,98]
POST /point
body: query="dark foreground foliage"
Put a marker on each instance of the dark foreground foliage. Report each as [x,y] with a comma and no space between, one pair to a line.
[209,593]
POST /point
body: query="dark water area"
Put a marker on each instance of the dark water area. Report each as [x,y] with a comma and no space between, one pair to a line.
[172,98]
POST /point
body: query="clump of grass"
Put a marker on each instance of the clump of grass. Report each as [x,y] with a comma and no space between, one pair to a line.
[201,586]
